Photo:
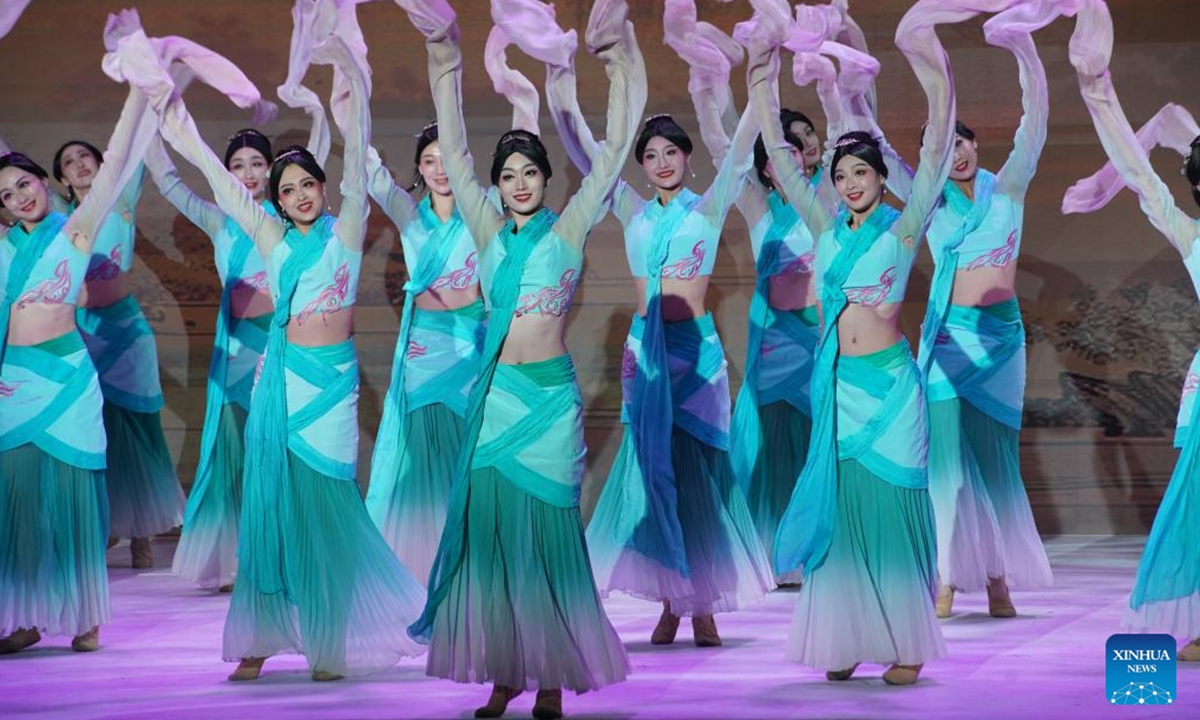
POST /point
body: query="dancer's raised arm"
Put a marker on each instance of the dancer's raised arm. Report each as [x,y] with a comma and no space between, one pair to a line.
[609,37]
[763,41]
[1091,51]
[119,159]
[917,39]
[445,81]
[199,211]
[352,114]
[1172,127]
[1012,30]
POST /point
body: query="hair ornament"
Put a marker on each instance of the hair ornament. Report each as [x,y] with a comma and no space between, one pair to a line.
[659,116]
[290,153]
[850,142]
[247,131]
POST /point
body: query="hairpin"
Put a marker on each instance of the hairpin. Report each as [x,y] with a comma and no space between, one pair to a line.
[847,142]
[659,116]
[289,153]
[247,131]
[426,129]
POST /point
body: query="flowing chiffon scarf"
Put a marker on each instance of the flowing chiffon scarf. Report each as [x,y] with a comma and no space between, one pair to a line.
[806,528]
[266,469]
[505,289]
[946,264]
[747,427]
[651,410]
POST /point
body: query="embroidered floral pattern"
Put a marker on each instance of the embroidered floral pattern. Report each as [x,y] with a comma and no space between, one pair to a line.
[629,364]
[331,298]
[106,269]
[999,257]
[254,283]
[7,391]
[802,265]
[550,300]
[416,349]
[873,295]
[49,292]
[460,279]
[767,348]
[688,267]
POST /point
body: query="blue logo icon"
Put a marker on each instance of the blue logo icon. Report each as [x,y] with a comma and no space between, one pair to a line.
[1140,669]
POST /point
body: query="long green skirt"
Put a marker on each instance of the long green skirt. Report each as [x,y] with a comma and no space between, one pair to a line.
[872,598]
[207,550]
[786,433]
[53,531]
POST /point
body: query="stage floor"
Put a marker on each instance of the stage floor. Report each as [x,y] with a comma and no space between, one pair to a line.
[160,660]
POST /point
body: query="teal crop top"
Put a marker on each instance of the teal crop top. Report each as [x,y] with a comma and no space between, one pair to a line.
[57,276]
[550,279]
[328,286]
[693,245]
[881,276]
[997,241]
[112,252]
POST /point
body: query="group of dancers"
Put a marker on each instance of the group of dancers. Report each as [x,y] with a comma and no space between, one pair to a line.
[880,482]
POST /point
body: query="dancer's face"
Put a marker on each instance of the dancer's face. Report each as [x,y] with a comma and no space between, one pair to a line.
[812,143]
[301,195]
[664,163]
[966,159]
[522,185]
[79,167]
[250,167]
[433,172]
[859,185]
[25,195]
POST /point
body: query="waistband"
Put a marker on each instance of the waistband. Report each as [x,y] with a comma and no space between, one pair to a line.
[546,373]
[63,345]
[886,359]
[262,322]
[808,315]
[334,354]
[700,327]
[1006,310]
[123,309]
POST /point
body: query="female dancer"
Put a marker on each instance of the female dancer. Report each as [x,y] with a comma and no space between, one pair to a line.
[1166,595]
[145,496]
[53,503]
[512,599]
[860,522]
[435,363]
[973,351]
[771,420]
[207,550]
[314,576]
[671,524]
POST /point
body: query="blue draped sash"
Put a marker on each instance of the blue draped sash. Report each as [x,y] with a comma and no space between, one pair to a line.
[260,550]
[806,528]
[505,289]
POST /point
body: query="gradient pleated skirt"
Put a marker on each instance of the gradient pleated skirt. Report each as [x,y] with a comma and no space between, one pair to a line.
[145,496]
[523,609]
[786,432]
[347,600]
[872,598]
[53,532]
[207,550]
[728,568]
[415,510]
[985,524]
